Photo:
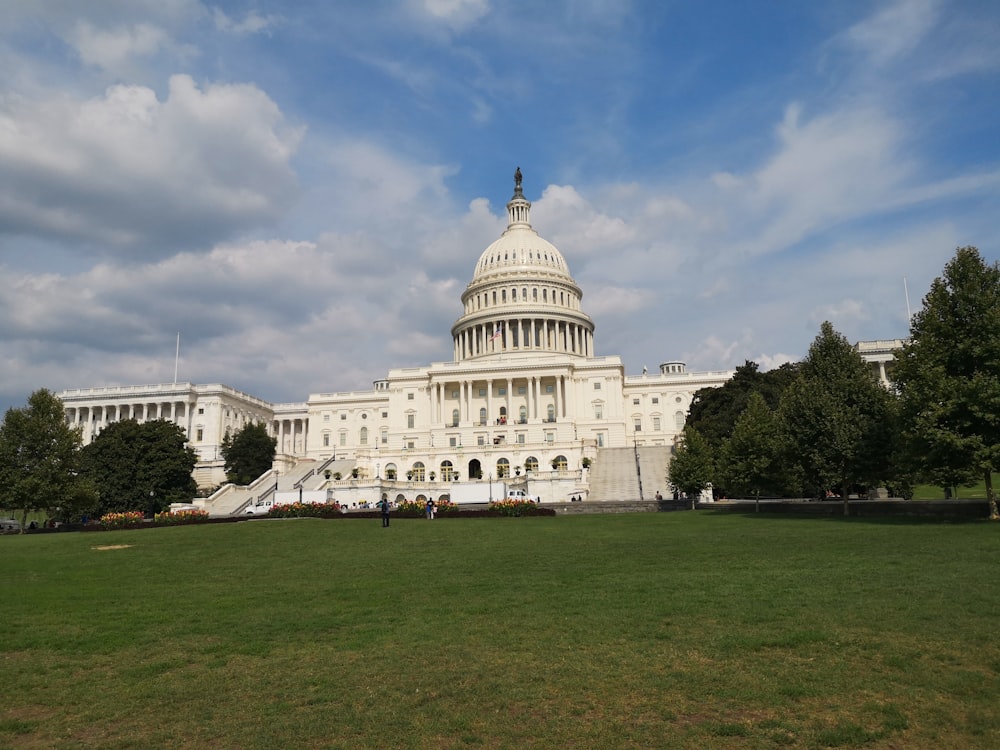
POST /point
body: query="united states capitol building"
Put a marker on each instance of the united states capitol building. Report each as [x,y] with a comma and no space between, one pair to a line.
[524,400]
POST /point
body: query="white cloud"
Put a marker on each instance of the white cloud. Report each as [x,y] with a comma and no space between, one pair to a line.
[457,13]
[129,172]
[252,23]
[894,31]
[112,49]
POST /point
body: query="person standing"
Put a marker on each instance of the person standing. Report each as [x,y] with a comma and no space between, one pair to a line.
[430,509]
[384,507]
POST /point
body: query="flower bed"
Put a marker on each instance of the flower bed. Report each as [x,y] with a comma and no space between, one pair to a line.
[130,519]
[510,507]
[180,517]
[305,510]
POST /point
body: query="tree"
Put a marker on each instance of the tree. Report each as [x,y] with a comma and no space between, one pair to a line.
[948,375]
[749,461]
[143,466]
[714,411]
[40,460]
[248,454]
[692,466]
[837,419]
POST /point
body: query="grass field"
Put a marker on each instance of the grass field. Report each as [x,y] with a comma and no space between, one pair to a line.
[676,630]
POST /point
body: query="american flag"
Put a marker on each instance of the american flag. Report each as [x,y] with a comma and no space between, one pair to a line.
[497,333]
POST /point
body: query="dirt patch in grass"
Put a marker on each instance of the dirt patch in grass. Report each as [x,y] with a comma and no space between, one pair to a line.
[104,547]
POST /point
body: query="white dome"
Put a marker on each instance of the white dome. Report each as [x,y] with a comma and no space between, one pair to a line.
[520,249]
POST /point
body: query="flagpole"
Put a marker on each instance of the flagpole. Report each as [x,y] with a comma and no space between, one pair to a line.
[909,316]
[177,356]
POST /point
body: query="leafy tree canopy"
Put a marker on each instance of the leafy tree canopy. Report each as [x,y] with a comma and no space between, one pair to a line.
[40,460]
[140,466]
[750,462]
[714,411]
[693,465]
[948,375]
[837,418]
[248,454]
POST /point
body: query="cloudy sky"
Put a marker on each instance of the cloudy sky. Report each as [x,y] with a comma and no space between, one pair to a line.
[301,189]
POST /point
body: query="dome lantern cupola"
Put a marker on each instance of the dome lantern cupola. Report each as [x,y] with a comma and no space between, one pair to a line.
[522,297]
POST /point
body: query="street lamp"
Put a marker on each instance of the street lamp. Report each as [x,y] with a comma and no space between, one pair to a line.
[491,487]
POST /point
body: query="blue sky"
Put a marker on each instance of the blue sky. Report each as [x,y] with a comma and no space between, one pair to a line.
[303,189]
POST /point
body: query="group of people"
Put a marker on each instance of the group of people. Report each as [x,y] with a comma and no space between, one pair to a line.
[384,507]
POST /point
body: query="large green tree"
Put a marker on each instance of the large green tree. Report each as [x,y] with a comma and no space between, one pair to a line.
[140,466]
[692,465]
[837,419]
[248,454]
[948,376]
[40,460]
[714,411]
[750,461]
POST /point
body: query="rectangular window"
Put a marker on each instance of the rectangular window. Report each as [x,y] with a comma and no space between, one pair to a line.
[482,391]
[656,424]
[385,436]
[638,425]
[550,437]
[326,439]
[200,435]
[326,416]
[452,442]
[520,438]
[635,402]
[521,390]
[656,399]
[454,394]
[502,391]
[201,409]
[385,415]
[597,386]
[409,396]
[343,438]
[409,445]
[549,388]
[598,411]
[343,416]
[480,440]
[600,439]
[409,421]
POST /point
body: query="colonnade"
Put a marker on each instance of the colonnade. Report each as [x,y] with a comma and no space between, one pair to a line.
[523,334]
[292,435]
[532,399]
[95,418]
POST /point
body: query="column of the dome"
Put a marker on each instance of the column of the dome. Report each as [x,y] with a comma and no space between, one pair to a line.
[559,409]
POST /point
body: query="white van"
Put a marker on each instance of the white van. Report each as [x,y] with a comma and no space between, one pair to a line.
[9,525]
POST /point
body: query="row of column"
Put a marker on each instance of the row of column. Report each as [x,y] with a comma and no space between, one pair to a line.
[292,436]
[532,398]
[529,334]
[95,418]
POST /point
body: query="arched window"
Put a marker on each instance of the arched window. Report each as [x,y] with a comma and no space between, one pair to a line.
[447,469]
[454,417]
[418,471]
[679,420]
[482,415]
[513,294]
[364,436]
[531,464]
[559,463]
[522,415]
[390,471]
[503,468]
[545,295]
[503,295]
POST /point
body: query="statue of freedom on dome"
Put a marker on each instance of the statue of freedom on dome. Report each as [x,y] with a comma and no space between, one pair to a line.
[517,177]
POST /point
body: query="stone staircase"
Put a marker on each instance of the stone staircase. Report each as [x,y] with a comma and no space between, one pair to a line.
[613,474]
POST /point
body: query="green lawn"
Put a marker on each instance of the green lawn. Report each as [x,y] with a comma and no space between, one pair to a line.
[975,492]
[676,630]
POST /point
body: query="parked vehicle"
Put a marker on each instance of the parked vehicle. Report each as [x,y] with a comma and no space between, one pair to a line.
[522,495]
[9,525]
[476,492]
